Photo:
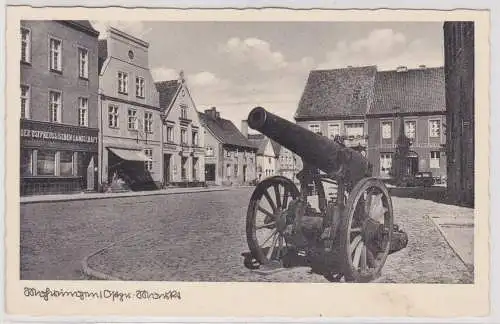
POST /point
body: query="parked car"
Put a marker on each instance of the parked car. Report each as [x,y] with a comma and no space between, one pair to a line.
[421,179]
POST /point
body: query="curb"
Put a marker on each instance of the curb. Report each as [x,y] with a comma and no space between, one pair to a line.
[92,273]
[470,267]
[128,195]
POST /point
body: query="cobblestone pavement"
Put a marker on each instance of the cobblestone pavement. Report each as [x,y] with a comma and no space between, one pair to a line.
[199,237]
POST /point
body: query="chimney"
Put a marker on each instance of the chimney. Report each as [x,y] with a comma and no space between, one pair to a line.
[401,68]
[422,66]
[212,113]
[244,128]
[349,66]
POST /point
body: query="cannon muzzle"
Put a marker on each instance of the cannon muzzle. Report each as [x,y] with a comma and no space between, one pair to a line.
[314,149]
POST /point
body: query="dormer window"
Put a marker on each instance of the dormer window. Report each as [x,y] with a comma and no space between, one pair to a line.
[356,94]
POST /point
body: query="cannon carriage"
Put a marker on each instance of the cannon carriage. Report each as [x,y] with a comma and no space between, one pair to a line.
[347,235]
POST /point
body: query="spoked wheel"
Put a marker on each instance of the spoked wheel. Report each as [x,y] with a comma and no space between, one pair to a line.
[366,230]
[266,219]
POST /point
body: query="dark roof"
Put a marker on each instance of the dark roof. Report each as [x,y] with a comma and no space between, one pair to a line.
[260,141]
[225,131]
[335,93]
[167,91]
[102,52]
[82,25]
[411,91]
[276,147]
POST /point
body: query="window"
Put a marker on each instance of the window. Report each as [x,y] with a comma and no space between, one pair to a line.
[183,136]
[195,169]
[25,101]
[46,163]
[83,111]
[148,122]
[333,130]
[386,129]
[209,151]
[354,129]
[123,82]
[55,54]
[132,119]
[410,128]
[113,116]
[385,163]
[139,87]
[228,171]
[83,63]
[236,170]
[183,112]
[66,163]
[228,153]
[269,160]
[25,45]
[356,93]
[170,133]
[148,165]
[435,128]
[314,128]
[26,162]
[434,162]
[195,138]
[183,168]
[55,106]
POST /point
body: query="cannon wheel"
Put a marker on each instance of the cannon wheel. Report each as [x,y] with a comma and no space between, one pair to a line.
[269,199]
[369,205]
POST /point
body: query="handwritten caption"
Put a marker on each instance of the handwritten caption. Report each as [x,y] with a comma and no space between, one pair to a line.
[107,294]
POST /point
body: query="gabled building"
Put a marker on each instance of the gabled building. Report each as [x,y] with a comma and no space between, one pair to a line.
[288,163]
[459,70]
[267,156]
[408,112]
[182,139]
[230,157]
[59,108]
[129,120]
[335,102]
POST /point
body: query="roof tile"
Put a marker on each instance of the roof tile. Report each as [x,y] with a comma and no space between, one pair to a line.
[225,131]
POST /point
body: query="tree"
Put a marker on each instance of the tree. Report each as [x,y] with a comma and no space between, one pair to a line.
[400,161]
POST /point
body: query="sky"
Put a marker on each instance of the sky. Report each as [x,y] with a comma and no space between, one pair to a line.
[236,66]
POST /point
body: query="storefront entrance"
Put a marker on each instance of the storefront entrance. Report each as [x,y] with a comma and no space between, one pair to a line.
[210,172]
[166,169]
[412,163]
[126,170]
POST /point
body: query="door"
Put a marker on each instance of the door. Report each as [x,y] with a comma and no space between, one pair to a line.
[209,172]
[166,168]
[244,173]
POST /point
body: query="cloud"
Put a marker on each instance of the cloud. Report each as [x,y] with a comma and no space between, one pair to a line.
[203,79]
[385,48]
[164,74]
[134,28]
[254,51]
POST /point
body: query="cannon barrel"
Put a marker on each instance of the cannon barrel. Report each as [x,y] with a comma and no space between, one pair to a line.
[314,149]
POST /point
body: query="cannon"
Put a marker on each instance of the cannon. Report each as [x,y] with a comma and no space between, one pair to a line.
[348,235]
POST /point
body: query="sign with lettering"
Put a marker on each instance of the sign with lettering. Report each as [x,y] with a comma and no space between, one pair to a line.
[66,137]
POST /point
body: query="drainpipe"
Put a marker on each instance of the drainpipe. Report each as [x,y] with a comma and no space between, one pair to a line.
[101,153]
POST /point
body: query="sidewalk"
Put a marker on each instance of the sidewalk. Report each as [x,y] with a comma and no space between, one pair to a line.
[457,229]
[107,195]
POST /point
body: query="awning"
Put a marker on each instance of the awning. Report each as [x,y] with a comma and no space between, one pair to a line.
[130,155]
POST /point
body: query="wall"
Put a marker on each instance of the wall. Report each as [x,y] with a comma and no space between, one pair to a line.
[40,79]
[323,124]
[267,162]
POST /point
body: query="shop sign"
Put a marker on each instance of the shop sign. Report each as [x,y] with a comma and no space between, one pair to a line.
[58,136]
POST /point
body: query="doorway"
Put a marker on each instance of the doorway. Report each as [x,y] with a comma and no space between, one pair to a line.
[244,173]
[209,172]
[412,166]
[166,169]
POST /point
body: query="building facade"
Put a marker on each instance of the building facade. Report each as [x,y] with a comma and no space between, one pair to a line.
[408,113]
[335,102]
[230,158]
[129,120]
[267,156]
[183,140]
[59,108]
[288,163]
[459,70]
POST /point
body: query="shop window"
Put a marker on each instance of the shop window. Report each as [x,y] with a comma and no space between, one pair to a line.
[184,168]
[55,54]
[46,163]
[113,114]
[333,130]
[83,63]
[195,168]
[435,128]
[55,106]
[354,130]
[228,171]
[139,87]
[386,130]
[385,164]
[66,163]
[148,122]
[235,170]
[132,119]
[25,45]
[83,111]
[434,162]
[314,128]
[228,153]
[410,129]
[122,83]
[26,163]
[25,101]
[149,164]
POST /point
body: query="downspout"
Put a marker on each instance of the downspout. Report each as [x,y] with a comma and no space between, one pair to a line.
[101,153]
